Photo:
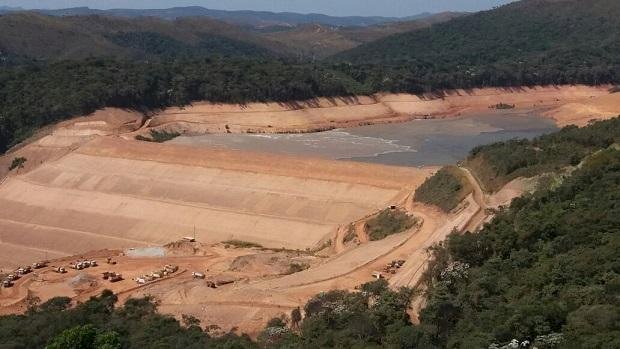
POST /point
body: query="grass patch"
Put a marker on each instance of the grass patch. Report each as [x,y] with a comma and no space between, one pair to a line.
[158,136]
[241,244]
[387,223]
[445,189]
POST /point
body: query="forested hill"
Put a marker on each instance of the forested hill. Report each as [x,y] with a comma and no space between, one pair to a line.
[523,43]
[32,36]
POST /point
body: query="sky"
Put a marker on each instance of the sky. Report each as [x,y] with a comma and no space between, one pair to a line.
[395,8]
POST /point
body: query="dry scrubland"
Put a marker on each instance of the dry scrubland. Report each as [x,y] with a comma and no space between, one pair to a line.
[112,193]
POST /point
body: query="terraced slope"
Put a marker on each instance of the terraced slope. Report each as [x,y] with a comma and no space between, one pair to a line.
[113,193]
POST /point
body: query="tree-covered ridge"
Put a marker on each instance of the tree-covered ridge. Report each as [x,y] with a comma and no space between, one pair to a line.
[498,163]
[530,42]
[546,270]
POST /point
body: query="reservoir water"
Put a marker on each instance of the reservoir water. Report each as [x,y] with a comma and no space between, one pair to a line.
[414,143]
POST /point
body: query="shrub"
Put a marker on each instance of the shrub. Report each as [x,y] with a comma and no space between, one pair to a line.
[17,163]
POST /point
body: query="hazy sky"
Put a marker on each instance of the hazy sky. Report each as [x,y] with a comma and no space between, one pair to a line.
[399,8]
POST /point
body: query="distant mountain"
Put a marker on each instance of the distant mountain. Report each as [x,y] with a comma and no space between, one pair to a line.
[320,41]
[246,18]
[30,35]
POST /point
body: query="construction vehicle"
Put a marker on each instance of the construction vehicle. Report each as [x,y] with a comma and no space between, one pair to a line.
[12,277]
[198,275]
[211,284]
[7,283]
[27,269]
[20,271]
[171,268]
[39,265]
[77,265]
[116,277]
[156,274]
[93,263]
[141,281]
[59,270]
[377,275]
[106,275]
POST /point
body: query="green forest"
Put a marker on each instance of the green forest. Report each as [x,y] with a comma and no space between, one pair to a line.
[544,271]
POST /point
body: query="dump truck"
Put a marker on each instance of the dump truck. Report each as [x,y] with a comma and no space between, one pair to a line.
[115,277]
[12,277]
[171,268]
[7,283]
[106,275]
[39,265]
[377,275]
[93,263]
[141,281]
[110,261]
[59,270]
[198,275]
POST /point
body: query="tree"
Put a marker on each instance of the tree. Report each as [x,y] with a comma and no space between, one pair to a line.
[295,318]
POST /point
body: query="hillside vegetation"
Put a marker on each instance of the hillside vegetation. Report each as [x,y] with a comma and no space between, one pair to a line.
[497,164]
[31,35]
[545,270]
[445,189]
[529,42]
